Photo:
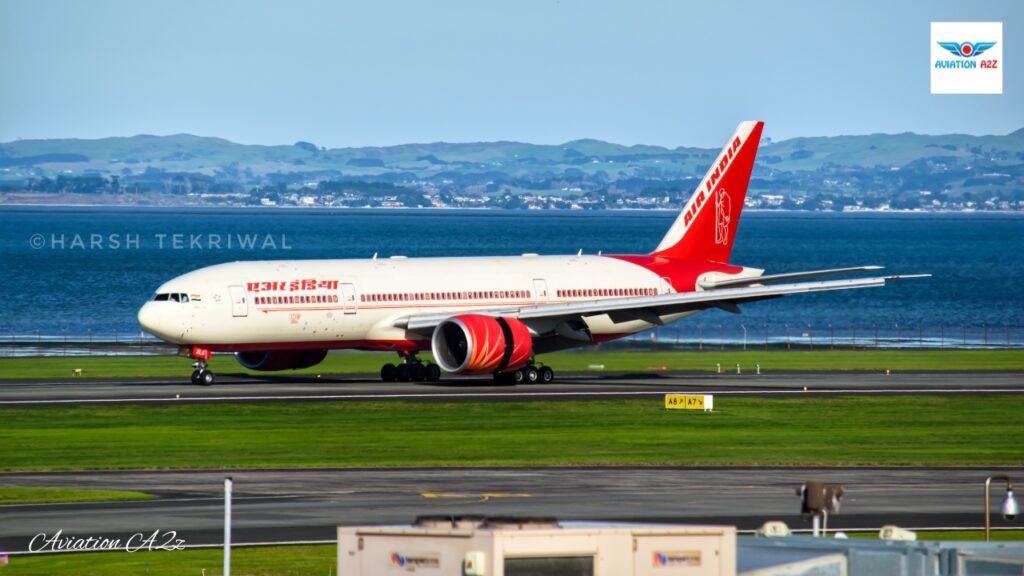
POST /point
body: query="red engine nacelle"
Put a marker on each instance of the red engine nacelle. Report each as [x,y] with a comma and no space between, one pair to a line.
[280,359]
[476,344]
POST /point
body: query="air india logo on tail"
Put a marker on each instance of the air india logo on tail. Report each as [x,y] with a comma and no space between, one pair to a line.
[723,208]
[712,178]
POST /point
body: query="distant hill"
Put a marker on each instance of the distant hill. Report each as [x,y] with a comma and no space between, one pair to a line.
[206,155]
[892,165]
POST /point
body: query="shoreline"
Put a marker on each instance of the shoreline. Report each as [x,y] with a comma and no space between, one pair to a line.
[483,210]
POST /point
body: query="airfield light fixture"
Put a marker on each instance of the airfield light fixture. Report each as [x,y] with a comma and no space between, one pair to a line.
[1009,508]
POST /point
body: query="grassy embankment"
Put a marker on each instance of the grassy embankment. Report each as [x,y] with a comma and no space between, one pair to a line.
[21,495]
[252,561]
[822,431]
[617,361]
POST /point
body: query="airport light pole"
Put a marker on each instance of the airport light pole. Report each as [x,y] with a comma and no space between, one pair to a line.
[1009,508]
[227,526]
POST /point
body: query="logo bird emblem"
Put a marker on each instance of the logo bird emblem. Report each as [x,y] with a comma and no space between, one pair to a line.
[966,49]
[723,216]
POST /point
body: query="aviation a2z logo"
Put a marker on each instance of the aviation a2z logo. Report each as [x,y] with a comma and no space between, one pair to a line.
[967,50]
[966,58]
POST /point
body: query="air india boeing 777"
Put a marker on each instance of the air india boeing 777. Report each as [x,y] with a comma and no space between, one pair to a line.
[481,315]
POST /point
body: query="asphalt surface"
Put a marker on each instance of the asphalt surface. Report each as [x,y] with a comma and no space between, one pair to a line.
[307,505]
[568,386]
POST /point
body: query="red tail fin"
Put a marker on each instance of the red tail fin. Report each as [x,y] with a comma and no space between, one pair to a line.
[707,225]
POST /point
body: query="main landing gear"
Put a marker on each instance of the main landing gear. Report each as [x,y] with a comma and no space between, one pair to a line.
[410,369]
[201,376]
[528,374]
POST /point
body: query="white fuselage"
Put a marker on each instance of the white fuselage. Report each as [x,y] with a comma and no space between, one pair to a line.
[267,305]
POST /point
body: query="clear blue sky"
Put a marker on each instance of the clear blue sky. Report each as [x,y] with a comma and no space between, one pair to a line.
[377,73]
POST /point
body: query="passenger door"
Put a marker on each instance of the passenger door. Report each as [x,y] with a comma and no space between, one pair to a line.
[348,298]
[540,289]
[239,306]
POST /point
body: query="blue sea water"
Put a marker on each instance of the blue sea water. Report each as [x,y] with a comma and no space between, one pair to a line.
[88,270]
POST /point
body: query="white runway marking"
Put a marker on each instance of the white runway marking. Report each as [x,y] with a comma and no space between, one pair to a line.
[515,395]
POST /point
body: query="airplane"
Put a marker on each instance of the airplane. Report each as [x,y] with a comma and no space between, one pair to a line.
[478,315]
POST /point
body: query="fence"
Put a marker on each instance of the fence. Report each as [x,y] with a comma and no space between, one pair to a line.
[721,336]
[89,344]
[683,335]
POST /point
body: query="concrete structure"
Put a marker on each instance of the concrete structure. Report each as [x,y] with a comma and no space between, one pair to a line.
[515,547]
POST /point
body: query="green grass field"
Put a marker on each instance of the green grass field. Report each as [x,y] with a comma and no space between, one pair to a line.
[249,561]
[23,495]
[825,431]
[617,361]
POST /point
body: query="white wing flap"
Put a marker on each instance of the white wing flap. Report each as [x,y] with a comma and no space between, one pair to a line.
[787,276]
[660,305]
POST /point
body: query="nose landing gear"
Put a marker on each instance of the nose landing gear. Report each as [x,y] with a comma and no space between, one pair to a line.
[201,376]
[411,369]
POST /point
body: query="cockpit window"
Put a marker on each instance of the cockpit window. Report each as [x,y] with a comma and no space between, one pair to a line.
[173,297]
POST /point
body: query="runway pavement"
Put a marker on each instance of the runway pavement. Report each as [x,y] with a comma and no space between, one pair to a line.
[568,386]
[307,505]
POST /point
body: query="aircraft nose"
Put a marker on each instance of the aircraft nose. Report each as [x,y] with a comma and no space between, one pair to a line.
[149,317]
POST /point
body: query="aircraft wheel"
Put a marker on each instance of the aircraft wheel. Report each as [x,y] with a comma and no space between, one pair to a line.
[545,375]
[433,372]
[195,377]
[403,373]
[419,372]
[206,378]
[519,376]
[530,374]
[387,373]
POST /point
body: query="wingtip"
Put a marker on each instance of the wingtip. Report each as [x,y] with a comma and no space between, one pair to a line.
[907,276]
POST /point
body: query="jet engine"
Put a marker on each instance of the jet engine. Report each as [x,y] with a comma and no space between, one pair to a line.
[280,359]
[477,344]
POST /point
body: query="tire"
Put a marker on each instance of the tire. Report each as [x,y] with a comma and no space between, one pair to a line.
[403,373]
[545,375]
[387,373]
[519,376]
[433,372]
[531,375]
[419,372]
[195,377]
[206,378]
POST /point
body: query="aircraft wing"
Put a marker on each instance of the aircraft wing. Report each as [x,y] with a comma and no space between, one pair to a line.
[652,308]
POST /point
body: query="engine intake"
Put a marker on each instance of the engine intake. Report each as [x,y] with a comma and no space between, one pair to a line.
[477,344]
[270,361]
